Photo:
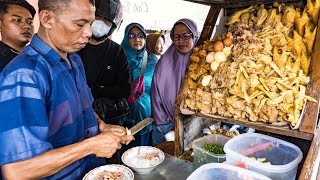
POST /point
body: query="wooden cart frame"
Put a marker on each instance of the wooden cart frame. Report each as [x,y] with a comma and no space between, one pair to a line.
[308,132]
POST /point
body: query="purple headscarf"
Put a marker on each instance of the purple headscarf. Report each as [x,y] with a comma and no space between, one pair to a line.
[168,76]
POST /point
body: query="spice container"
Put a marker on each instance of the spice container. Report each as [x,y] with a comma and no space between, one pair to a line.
[201,156]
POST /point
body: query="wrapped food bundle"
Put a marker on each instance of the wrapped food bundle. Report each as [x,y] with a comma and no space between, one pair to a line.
[259,69]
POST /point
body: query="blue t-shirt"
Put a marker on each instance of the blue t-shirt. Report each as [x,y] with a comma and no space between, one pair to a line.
[45,104]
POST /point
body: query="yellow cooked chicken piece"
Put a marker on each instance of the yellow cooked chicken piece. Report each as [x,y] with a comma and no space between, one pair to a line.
[309,37]
[288,16]
[305,63]
[313,10]
[261,16]
[279,60]
[235,17]
[195,57]
[300,22]
[296,44]
[245,17]
[296,66]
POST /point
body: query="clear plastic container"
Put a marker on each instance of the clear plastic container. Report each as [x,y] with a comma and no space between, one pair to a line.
[221,171]
[283,156]
[201,156]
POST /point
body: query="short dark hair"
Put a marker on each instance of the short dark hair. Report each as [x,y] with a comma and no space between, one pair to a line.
[53,5]
[3,10]
[4,5]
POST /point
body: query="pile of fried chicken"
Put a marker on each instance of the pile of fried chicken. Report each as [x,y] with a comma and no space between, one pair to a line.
[263,73]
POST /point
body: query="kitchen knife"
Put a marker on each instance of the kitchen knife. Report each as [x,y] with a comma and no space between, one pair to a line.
[136,128]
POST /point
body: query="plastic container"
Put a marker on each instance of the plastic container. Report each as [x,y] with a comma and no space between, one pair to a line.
[283,156]
[220,171]
[202,156]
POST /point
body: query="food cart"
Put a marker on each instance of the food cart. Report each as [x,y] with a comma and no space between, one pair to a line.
[306,136]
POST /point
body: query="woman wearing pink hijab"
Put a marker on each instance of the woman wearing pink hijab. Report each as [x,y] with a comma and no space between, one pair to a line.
[168,76]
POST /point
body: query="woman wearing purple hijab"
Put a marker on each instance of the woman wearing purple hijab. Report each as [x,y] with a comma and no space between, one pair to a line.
[168,76]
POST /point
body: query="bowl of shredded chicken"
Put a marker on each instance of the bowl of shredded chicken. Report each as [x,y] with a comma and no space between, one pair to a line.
[110,172]
[143,159]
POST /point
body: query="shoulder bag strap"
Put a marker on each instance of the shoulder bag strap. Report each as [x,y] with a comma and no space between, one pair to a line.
[144,63]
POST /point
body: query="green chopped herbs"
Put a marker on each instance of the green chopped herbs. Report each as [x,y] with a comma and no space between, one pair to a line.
[213,148]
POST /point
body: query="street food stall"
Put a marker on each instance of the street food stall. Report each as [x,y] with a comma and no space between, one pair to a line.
[268,79]
[255,65]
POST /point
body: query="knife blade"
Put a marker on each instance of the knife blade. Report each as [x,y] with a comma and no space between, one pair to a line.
[138,127]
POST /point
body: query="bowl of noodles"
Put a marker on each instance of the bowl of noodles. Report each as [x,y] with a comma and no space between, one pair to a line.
[110,172]
[143,159]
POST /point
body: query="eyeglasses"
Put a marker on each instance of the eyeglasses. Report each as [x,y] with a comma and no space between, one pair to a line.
[133,36]
[184,36]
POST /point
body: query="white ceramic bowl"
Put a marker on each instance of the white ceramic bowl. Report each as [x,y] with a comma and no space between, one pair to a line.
[127,173]
[149,158]
[169,136]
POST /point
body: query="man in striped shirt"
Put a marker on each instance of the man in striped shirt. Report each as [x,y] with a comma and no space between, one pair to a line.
[48,128]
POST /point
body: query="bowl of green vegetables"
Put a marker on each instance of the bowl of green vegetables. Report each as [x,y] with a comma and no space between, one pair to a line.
[209,149]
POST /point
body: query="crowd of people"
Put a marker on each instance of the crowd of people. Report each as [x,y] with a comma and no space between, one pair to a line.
[49,128]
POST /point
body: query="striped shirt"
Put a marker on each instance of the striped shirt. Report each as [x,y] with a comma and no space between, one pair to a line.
[45,104]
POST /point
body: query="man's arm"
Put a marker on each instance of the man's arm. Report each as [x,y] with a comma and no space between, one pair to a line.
[51,162]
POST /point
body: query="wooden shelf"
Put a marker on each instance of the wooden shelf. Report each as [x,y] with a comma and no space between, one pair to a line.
[262,127]
[311,168]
